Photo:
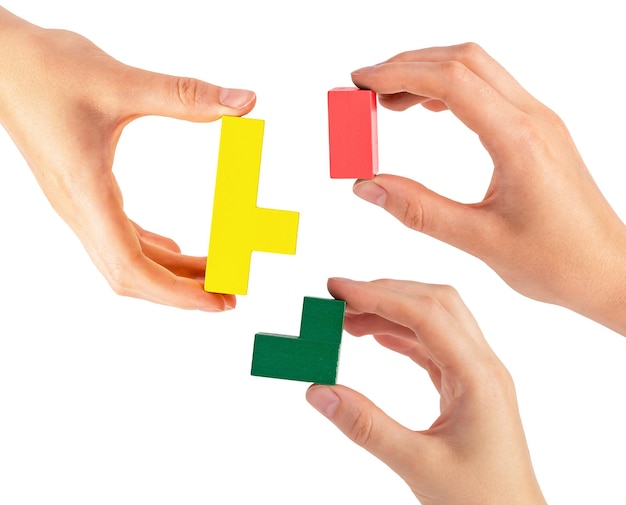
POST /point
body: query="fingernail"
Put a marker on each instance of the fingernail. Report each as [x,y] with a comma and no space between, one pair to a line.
[236,98]
[323,399]
[229,305]
[370,192]
[364,70]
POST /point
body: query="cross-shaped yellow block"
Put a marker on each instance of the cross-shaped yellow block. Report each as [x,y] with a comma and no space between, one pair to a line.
[239,226]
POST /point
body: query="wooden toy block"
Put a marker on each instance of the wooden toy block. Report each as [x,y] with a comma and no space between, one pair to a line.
[238,226]
[322,320]
[285,357]
[311,357]
[352,133]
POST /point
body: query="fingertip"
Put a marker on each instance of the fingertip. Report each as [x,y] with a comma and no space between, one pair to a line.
[332,281]
[435,105]
[400,101]
[392,103]
[216,302]
[370,191]
[230,302]
[358,76]
[323,399]
[238,99]
[363,71]
[339,286]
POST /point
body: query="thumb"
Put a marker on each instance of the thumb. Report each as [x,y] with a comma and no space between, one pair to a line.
[421,209]
[185,98]
[369,427]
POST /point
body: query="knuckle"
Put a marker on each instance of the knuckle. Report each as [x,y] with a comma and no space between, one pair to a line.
[535,133]
[470,52]
[121,276]
[118,280]
[414,216]
[496,382]
[454,72]
[554,121]
[187,90]
[530,131]
[360,432]
[454,75]
[431,304]
[446,293]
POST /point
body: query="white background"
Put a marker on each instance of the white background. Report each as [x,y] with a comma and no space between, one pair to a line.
[105,399]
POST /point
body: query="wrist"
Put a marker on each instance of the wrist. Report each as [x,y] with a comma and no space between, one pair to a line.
[602,289]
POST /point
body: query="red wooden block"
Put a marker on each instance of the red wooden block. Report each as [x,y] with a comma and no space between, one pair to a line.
[352,133]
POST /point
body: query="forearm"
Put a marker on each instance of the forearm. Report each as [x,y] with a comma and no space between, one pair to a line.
[602,294]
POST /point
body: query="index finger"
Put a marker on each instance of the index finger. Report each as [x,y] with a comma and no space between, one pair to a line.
[152,282]
[446,341]
[477,104]
[481,63]
[113,244]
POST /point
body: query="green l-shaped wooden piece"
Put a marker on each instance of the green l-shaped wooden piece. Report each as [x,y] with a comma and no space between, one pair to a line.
[311,357]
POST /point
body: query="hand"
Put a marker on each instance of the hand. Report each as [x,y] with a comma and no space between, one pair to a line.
[65,103]
[543,224]
[475,452]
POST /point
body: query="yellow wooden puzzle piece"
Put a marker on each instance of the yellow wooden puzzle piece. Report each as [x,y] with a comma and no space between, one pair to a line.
[238,226]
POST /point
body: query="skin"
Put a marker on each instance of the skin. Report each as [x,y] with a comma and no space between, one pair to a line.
[543,225]
[475,452]
[65,103]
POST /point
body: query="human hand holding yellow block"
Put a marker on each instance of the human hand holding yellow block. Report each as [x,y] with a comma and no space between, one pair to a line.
[238,225]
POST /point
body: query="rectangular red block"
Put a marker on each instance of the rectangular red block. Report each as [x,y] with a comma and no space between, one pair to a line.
[352,133]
